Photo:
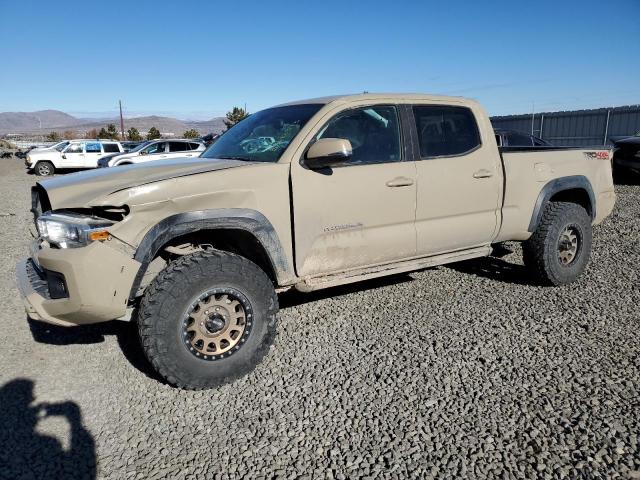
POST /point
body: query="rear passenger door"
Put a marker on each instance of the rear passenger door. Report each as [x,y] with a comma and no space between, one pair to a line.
[92,152]
[179,149]
[459,180]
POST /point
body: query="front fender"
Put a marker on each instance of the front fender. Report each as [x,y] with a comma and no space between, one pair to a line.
[180,224]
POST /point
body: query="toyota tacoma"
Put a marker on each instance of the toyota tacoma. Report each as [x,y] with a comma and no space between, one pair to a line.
[345,189]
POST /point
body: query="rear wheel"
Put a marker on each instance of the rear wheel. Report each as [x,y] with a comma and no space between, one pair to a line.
[207,319]
[44,169]
[559,249]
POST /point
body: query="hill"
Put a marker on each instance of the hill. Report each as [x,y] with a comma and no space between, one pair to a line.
[46,121]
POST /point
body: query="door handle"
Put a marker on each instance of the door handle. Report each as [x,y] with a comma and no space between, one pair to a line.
[189,155]
[400,182]
[482,174]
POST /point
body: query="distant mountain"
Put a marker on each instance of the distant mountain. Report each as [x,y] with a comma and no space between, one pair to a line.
[18,122]
[53,120]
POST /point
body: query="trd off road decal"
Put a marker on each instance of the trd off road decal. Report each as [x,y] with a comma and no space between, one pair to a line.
[596,155]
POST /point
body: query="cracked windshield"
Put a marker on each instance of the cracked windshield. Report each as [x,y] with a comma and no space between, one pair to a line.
[263,136]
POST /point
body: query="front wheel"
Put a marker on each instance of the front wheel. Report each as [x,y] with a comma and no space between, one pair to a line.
[559,249]
[207,319]
[44,169]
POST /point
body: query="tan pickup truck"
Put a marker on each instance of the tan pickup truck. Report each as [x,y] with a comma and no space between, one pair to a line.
[305,195]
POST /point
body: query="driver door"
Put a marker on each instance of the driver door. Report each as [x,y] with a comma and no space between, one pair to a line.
[73,156]
[362,212]
[155,151]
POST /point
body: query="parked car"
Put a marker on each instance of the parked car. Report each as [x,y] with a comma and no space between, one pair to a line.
[627,154]
[156,150]
[210,138]
[76,154]
[352,188]
[513,138]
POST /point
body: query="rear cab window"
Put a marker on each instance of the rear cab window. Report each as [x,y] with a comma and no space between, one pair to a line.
[445,130]
[515,139]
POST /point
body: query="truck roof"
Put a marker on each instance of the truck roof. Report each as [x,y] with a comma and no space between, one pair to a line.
[377,97]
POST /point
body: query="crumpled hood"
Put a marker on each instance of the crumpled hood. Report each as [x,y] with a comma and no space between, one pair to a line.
[80,189]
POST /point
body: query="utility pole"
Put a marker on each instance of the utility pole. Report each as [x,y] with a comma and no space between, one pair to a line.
[121,120]
[533,115]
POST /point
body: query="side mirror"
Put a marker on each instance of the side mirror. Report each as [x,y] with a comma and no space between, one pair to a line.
[328,152]
[64,156]
[144,152]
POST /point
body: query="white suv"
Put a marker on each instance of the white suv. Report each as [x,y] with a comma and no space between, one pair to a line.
[77,154]
[155,150]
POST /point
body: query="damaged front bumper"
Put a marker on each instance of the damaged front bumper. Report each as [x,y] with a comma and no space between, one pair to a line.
[76,286]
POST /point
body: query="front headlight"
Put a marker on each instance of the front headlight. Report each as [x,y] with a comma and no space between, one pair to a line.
[69,230]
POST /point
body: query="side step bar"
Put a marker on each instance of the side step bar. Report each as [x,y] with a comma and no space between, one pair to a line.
[351,276]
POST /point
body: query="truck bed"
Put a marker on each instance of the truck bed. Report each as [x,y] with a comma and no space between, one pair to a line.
[530,171]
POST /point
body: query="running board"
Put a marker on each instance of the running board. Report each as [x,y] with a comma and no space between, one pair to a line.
[352,276]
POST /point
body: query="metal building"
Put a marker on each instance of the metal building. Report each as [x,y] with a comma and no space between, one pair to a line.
[578,127]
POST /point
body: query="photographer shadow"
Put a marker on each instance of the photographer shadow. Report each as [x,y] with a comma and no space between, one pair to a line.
[26,453]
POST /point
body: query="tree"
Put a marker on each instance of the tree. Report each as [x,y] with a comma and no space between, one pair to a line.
[93,133]
[69,135]
[192,133]
[111,132]
[234,116]
[153,133]
[53,137]
[134,135]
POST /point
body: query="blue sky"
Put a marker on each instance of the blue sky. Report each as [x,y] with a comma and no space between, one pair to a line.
[196,60]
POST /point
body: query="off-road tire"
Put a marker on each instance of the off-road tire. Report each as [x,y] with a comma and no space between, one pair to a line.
[541,250]
[44,169]
[169,297]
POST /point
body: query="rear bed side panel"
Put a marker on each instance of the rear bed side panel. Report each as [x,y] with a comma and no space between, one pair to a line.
[528,171]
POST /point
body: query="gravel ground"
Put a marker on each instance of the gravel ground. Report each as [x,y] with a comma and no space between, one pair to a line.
[467,371]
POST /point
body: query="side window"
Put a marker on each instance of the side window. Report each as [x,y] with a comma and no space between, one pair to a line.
[498,139]
[444,131]
[92,148]
[519,140]
[373,132]
[74,148]
[110,147]
[155,148]
[194,146]
[178,146]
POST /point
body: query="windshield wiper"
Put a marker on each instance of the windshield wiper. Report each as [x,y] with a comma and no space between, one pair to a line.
[230,157]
